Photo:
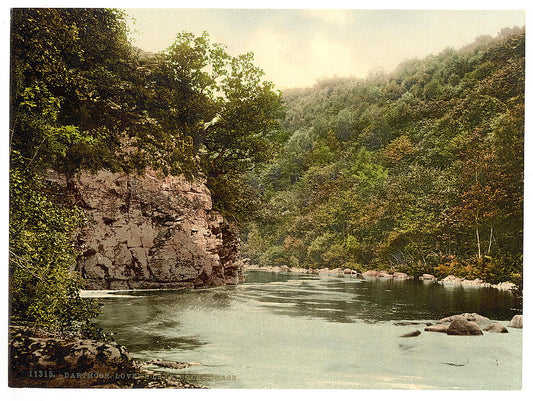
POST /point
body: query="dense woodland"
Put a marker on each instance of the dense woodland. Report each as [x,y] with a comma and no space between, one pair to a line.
[420,170]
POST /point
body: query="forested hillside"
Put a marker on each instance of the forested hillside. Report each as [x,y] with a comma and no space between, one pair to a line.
[420,170]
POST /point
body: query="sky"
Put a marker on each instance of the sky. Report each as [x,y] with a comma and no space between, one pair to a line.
[295,47]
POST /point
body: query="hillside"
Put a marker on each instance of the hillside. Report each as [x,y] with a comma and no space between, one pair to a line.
[419,170]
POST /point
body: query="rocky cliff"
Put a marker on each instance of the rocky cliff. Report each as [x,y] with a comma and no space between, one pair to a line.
[153,232]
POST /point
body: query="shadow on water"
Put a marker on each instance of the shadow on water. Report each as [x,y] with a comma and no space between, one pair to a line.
[151,320]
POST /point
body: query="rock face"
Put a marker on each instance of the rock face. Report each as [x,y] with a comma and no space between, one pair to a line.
[153,232]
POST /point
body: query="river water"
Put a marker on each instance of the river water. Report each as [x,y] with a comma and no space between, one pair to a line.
[286,330]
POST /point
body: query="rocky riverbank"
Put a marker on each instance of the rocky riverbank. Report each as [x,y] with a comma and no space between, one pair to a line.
[39,358]
[449,280]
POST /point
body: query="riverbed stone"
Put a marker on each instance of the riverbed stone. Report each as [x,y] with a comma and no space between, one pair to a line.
[438,328]
[400,275]
[460,326]
[451,279]
[415,333]
[495,327]
[370,273]
[517,321]
[471,317]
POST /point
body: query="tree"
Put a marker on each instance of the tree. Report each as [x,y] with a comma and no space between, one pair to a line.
[220,108]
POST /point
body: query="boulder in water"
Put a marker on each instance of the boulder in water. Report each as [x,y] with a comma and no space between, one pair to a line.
[517,321]
[438,328]
[460,326]
[399,275]
[471,317]
[496,328]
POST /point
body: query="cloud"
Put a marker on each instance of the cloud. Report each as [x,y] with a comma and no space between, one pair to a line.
[335,17]
[292,61]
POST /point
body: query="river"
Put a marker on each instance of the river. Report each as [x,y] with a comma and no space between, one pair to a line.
[286,330]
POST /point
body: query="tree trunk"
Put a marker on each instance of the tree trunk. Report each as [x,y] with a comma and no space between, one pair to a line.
[478,243]
[490,240]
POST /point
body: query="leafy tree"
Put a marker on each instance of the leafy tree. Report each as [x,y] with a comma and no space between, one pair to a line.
[219,108]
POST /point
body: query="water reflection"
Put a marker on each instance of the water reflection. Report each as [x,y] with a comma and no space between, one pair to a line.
[342,299]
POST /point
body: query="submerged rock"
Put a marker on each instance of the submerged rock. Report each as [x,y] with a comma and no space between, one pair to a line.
[517,321]
[496,328]
[460,326]
[437,328]
[415,333]
[172,364]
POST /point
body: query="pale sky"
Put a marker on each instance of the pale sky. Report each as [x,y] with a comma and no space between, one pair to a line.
[296,47]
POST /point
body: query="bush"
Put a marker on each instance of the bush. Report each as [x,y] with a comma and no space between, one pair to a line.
[43,289]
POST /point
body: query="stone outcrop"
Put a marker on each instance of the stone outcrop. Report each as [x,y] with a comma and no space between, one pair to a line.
[370,273]
[153,232]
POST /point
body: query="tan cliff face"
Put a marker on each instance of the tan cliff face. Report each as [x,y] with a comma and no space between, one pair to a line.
[152,232]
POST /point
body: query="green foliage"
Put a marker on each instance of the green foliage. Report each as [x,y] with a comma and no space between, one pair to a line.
[404,171]
[220,111]
[43,288]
